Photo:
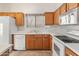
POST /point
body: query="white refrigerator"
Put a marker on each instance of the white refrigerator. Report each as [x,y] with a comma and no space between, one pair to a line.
[7,26]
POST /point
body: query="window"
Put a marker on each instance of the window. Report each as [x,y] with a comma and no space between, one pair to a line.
[34,21]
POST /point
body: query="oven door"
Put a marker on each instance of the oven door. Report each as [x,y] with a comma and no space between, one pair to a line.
[58,48]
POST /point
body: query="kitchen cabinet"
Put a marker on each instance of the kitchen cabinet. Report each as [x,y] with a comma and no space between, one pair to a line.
[19,17]
[72,6]
[11,15]
[33,42]
[69,52]
[49,18]
[3,14]
[47,42]
[63,8]
[29,40]
[19,42]
[56,17]
[38,42]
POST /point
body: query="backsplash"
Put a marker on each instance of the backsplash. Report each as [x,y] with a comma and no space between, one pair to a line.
[56,29]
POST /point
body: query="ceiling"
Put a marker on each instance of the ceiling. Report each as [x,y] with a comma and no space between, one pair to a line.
[30,7]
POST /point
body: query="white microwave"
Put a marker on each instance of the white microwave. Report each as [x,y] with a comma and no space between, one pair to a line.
[64,20]
[70,17]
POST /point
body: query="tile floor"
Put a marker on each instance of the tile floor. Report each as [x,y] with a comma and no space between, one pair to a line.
[31,53]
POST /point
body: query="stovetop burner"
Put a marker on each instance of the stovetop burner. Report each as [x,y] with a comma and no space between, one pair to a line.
[67,39]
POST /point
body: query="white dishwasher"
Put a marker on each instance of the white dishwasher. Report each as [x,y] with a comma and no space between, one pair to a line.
[19,42]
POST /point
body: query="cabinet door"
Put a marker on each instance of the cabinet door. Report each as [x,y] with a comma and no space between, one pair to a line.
[63,8]
[72,5]
[38,43]
[49,19]
[30,39]
[19,19]
[46,42]
[69,52]
[3,14]
[19,42]
[56,17]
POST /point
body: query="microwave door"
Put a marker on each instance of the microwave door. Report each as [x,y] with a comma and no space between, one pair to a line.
[62,20]
[67,18]
[73,19]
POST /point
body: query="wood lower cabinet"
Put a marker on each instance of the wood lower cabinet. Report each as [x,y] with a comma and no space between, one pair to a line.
[30,41]
[39,42]
[47,42]
[69,52]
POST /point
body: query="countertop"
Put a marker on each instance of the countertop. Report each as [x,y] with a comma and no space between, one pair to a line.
[4,48]
[37,31]
[33,32]
[74,47]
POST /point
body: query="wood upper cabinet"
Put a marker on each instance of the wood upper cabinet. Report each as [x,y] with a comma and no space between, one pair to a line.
[3,14]
[69,52]
[38,42]
[49,18]
[19,17]
[63,8]
[56,17]
[11,15]
[72,5]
